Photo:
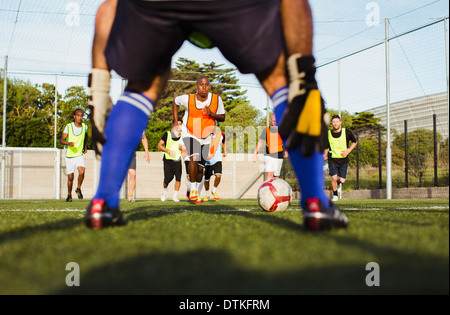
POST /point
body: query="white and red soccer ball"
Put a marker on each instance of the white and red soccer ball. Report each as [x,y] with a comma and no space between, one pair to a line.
[274,195]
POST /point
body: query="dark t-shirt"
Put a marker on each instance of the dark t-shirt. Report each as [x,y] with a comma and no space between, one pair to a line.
[349,137]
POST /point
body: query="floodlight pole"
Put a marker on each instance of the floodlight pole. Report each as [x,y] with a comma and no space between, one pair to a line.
[56,110]
[446,61]
[339,86]
[2,193]
[388,120]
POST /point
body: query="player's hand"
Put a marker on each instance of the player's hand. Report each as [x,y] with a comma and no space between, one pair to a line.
[100,106]
[206,111]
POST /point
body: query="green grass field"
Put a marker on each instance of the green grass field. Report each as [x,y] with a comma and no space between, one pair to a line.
[225,247]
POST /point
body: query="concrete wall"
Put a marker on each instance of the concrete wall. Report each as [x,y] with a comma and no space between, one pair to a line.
[33,176]
[238,170]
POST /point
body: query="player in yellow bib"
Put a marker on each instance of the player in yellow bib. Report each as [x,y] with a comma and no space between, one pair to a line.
[74,138]
[170,144]
[337,154]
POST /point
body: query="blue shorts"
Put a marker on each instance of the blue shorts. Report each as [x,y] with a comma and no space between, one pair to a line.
[146,34]
[339,170]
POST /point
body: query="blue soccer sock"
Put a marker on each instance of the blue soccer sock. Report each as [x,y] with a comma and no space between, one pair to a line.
[126,123]
[309,170]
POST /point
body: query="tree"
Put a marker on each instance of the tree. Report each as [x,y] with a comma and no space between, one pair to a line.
[183,81]
[30,112]
[31,109]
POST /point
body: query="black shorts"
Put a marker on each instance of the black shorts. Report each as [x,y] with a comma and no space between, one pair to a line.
[215,169]
[199,151]
[146,34]
[133,162]
[339,170]
[172,168]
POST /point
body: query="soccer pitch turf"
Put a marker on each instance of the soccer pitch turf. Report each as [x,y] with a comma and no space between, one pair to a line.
[225,247]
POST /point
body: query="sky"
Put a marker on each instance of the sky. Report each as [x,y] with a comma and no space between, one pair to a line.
[54,37]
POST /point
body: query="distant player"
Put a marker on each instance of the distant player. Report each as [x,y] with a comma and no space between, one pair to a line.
[74,138]
[337,154]
[132,169]
[213,164]
[170,144]
[274,154]
[203,111]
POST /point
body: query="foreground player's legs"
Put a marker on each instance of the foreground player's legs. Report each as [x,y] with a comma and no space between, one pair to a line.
[308,169]
[127,122]
[100,103]
[303,121]
[319,213]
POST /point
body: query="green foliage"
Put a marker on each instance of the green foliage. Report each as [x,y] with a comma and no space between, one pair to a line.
[368,152]
[27,133]
[30,112]
[420,147]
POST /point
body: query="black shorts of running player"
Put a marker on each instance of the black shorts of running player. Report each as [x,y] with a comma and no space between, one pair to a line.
[186,165]
[172,168]
[215,169]
[146,34]
[197,150]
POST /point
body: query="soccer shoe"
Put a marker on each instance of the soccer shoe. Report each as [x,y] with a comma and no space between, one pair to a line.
[99,215]
[100,106]
[79,194]
[317,217]
[335,198]
[193,196]
[163,197]
[216,198]
[304,121]
[206,199]
[69,199]
[175,198]
[131,199]
[188,193]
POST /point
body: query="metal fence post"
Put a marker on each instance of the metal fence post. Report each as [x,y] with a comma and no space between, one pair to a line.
[435,144]
[406,153]
[380,168]
[357,160]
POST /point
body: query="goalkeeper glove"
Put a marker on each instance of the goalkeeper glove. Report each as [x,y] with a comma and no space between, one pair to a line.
[100,105]
[304,122]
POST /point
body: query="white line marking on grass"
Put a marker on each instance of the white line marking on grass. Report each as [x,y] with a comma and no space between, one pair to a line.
[42,210]
[408,208]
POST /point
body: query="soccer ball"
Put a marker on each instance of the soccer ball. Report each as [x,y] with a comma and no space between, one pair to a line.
[274,195]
